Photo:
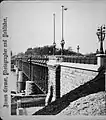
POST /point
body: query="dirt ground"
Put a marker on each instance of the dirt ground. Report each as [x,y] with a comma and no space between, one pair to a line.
[93,104]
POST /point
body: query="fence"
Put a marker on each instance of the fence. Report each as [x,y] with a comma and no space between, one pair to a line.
[71,59]
[78,59]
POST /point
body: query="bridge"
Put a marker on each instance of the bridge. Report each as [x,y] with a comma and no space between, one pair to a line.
[33,69]
[36,69]
[56,75]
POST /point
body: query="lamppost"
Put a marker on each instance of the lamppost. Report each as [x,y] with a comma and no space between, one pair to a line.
[30,66]
[62,41]
[101,36]
[54,44]
[21,64]
[78,49]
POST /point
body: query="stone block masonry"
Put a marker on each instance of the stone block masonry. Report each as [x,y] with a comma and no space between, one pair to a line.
[65,77]
[52,82]
[72,78]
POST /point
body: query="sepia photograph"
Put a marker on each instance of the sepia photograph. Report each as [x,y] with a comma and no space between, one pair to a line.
[53,58]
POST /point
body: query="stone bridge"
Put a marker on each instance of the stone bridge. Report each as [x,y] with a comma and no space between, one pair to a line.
[55,77]
[31,73]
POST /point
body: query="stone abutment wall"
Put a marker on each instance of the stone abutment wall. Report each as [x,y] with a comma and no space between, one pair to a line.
[65,77]
[73,77]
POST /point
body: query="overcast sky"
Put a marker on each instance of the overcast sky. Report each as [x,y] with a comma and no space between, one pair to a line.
[30,24]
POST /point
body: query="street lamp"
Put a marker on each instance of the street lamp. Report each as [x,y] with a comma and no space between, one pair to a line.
[78,49]
[101,36]
[30,65]
[62,41]
[54,44]
[21,64]
[54,48]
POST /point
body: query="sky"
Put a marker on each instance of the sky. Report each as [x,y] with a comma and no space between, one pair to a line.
[30,24]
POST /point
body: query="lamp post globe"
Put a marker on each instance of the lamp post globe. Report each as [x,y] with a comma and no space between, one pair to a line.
[101,36]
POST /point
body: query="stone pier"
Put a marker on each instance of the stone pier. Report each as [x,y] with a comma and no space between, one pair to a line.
[20,82]
[29,87]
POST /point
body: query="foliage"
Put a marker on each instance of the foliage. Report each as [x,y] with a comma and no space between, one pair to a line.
[48,50]
[90,54]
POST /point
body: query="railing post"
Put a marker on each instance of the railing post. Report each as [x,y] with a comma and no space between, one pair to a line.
[89,60]
[80,60]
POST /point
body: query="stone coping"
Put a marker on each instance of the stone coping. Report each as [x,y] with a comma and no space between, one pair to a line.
[89,67]
[101,55]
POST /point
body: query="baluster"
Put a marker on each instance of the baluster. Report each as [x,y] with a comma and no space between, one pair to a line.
[89,60]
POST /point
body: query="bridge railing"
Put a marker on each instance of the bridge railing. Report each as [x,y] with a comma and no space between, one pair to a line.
[78,59]
[35,70]
[42,59]
[71,59]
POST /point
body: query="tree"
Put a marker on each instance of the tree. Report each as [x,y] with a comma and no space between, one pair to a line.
[69,48]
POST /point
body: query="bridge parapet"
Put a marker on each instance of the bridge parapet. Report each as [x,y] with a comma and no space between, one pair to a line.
[77,59]
[42,60]
[68,76]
